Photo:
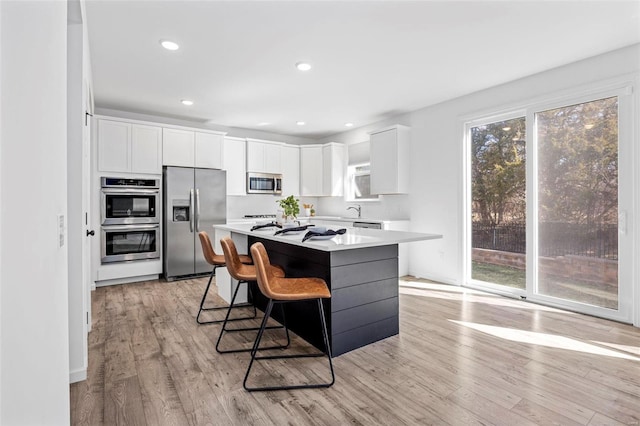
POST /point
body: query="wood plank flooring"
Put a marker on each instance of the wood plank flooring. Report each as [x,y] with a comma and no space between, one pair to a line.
[462,357]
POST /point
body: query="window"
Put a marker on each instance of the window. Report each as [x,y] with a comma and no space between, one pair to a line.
[548,191]
[359,176]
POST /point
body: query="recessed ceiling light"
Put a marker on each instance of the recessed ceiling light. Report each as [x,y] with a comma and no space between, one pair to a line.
[169,45]
[300,123]
[264,123]
[303,66]
[348,124]
[186,102]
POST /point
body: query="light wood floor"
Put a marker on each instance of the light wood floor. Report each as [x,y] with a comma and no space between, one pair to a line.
[461,358]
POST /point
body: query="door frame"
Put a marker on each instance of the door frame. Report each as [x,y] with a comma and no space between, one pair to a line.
[625,88]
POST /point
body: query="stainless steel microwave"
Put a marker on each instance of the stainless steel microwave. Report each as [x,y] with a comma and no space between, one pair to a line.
[264,183]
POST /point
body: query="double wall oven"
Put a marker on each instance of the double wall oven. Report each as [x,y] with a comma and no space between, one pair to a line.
[130,210]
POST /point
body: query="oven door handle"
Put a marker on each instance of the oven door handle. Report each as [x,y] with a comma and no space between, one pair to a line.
[132,191]
[191,208]
[197,210]
[107,228]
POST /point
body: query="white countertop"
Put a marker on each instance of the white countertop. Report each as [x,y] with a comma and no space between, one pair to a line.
[354,237]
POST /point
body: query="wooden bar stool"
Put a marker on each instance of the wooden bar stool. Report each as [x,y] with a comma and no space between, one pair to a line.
[244,274]
[217,261]
[282,290]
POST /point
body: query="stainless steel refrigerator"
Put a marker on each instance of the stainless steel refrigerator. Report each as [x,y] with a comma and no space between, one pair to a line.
[194,200]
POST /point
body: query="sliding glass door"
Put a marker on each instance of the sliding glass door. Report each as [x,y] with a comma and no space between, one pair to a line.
[549,189]
[577,191]
[498,204]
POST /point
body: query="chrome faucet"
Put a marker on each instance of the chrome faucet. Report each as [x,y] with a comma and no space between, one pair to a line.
[358,209]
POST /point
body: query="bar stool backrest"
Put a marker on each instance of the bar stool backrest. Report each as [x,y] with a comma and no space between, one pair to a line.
[207,249]
[264,271]
[236,268]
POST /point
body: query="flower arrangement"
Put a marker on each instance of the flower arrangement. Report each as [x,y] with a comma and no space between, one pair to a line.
[290,207]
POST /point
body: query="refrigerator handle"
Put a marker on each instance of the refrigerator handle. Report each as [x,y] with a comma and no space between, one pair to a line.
[192,210]
[197,210]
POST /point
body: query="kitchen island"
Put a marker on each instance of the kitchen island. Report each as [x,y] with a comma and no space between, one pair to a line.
[360,268]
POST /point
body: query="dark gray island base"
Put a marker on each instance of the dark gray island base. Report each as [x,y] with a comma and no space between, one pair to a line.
[364,293]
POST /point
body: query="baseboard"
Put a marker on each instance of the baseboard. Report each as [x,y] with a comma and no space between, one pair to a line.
[78,375]
[128,280]
[437,278]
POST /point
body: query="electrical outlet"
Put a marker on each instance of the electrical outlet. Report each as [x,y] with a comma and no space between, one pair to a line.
[61,229]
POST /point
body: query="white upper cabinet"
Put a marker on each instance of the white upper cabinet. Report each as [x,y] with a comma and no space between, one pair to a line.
[146,149]
[234,164]
[290,161]
[209,149]
[189,148]
[263,156]
[333,159]
[311,165]
[390,160]
[178,147]
[322,170]
[129,148]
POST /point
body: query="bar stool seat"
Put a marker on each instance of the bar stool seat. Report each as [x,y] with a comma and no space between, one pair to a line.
[217,261]
[244,274]
[298,288]
[280,290]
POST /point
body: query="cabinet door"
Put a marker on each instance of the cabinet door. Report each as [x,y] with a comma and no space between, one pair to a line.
[208,150]
[234,164]
[114,139]
[333,170]
[272,158]
[290,161]
[311,164]
[146,149]
[384,162]
[255,157]
[178,148]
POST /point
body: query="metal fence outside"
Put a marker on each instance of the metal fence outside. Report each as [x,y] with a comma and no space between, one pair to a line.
[556,239]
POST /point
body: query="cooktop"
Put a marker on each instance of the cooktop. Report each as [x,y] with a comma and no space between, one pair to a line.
[252,216]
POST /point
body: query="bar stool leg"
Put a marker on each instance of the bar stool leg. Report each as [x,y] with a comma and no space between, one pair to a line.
[217,308]
[226,320]
[254,357]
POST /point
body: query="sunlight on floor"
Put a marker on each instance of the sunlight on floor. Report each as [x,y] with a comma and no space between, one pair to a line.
[544,339]
[452,292]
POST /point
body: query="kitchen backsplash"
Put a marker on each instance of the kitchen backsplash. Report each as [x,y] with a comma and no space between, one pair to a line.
[389,207]
[240,205]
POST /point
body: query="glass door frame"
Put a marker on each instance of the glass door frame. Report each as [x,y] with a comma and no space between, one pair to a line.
[626,181]
[468,205]
[628,202]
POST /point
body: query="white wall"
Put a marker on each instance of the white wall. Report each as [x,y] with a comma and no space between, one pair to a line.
[75,123]
[435,202]
[33,268]
[437,153]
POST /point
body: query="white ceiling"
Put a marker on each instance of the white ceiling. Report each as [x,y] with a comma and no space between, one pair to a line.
[371,59]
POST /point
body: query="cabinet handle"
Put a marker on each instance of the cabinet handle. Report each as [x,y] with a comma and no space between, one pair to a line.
[92,232]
